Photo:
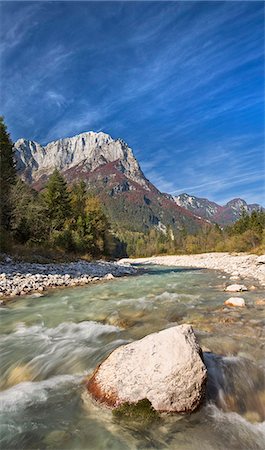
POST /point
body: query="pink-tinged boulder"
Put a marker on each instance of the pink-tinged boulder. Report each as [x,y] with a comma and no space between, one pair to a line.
[235,301]
[165,367]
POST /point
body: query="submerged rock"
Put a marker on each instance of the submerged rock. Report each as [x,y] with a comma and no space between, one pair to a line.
[260,302]
[235,301]
[142,411]
[165,368]
[56,438]
[236,288]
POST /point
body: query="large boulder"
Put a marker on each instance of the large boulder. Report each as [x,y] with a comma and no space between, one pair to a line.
[165,367]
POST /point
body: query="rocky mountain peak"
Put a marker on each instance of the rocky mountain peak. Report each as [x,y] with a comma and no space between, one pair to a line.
[213,212]
[86,151]
[237,203]
[200,206]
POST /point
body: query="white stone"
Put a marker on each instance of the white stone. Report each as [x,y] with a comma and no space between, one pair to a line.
[235,301]
[109,276]
[253,288]
[261,259]
[164,367]
[236,288]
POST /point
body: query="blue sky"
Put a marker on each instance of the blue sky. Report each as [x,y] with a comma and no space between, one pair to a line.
[181,82]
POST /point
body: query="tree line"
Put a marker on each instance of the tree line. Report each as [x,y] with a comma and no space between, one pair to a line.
[60,217]
[246,235]
[69,219]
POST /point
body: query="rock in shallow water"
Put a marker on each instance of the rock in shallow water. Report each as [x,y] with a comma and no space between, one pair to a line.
[236,288]
[235,301]
[165,367]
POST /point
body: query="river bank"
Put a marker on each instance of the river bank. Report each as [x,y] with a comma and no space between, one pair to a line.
[240,266]
[20,278]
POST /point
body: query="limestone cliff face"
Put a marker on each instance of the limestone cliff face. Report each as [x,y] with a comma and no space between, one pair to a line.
[84,152]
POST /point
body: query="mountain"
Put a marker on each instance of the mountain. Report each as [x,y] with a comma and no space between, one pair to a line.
[223,215]
[84,152]
[111,171]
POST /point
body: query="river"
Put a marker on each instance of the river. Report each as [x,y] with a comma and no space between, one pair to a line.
[49,344]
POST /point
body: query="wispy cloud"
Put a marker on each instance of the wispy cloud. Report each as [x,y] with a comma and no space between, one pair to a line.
[71,125]
[181,82]
[13,30]
[217,184]
[55,98]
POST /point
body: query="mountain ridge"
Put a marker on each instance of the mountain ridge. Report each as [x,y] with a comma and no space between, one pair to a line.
[212,211]
[110,169]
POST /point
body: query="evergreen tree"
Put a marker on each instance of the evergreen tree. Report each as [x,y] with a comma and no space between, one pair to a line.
[78,199]
[96,225]
[29,217]
[7,174]
[57,201]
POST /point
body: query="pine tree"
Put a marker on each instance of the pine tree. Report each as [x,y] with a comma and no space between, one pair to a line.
[29,217]
[57,201]
[78,199]
[7,174]
[96,225]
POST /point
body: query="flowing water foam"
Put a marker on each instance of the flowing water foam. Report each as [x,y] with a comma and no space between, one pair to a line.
[49,344]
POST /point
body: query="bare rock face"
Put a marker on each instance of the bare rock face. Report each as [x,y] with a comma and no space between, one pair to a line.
[165,367]
[84,152]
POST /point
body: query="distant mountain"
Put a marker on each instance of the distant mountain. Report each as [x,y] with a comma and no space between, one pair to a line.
[110,170]
[223,215]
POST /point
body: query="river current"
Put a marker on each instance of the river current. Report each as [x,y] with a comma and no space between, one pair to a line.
[51,343]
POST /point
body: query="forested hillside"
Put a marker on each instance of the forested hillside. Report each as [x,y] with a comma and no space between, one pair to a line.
[72,218]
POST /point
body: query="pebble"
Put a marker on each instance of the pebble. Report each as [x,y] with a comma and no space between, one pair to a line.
[109,276]
[261,259]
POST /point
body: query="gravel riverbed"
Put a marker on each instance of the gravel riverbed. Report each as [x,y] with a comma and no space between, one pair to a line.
[240,266]
[20,278]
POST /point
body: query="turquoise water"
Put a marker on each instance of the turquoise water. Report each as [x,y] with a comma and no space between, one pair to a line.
[49,344]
